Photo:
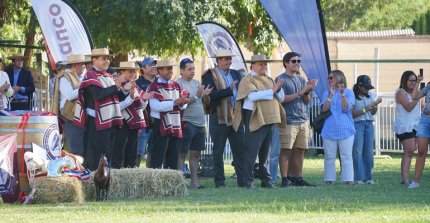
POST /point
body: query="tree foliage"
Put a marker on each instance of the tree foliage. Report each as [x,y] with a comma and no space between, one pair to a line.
[364,15]
[167,27]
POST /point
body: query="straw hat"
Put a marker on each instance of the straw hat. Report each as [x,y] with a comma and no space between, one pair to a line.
[77,58]
[14,56]
[223,53]
[99,52]
[126,65]
[259,58]
[164,63]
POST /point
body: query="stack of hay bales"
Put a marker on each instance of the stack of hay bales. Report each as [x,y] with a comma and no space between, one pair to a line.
[132,183]
[58,190]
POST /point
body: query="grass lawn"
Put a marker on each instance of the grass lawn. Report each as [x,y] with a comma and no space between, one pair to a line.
[387,201]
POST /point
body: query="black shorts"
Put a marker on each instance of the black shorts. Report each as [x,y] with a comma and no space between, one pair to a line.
[193,138]
[406,135]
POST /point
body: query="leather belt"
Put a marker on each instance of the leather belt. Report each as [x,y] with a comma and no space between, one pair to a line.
[19,101]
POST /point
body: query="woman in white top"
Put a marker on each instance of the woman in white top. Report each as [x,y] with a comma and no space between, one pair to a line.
[6,90]
[406,122]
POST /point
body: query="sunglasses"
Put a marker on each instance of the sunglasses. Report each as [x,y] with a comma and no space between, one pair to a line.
[295,61]
[330,78]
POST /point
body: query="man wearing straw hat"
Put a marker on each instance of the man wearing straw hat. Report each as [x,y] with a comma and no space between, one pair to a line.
[6,90]
[22,83]
[219,104]
[65,93]
[166,104]
[259,108]
[125,143]
[98,109]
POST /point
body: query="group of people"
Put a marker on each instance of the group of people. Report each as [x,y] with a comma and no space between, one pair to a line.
[114,112]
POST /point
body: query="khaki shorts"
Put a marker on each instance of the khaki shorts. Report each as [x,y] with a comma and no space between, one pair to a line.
[295,136]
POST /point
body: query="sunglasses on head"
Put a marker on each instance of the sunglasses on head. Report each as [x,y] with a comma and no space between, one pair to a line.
[295,61]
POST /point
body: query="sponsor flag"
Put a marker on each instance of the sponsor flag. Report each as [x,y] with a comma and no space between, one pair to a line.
[216,37]
[301,25]
[63,28]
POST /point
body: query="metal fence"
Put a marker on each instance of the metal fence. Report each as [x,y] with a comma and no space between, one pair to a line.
[385,75]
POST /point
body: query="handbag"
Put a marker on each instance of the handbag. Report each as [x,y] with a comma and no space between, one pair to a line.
[318,122]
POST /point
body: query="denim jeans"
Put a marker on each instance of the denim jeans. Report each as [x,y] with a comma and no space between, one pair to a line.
[362,151]
[143,141]
[274,154]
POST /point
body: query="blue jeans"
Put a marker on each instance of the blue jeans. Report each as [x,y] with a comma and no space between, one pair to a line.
[274,154]
[362,150]
[143,141]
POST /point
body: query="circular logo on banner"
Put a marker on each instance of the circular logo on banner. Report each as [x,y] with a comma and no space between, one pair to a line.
[51,141]
[218,41]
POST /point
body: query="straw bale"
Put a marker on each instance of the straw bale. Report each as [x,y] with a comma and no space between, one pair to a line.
[133,183]
[58,190]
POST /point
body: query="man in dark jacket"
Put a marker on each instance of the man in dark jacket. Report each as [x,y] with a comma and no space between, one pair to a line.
[22,83]
[220,105]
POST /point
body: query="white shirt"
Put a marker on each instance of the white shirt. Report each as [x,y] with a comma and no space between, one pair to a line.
[67,92]
[4,78]
[162,106]
[260,95]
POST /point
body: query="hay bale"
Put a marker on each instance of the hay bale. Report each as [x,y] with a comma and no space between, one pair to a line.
[132,183]
[58,190]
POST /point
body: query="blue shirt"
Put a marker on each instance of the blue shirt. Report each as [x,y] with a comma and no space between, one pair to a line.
[340,124]
[228,80]
[20,96]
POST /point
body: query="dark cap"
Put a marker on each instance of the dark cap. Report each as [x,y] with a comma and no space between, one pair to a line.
[364,80]
[290,55]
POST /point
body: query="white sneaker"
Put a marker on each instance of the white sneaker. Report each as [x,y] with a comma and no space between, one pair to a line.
[371,182]
[359,182]
[413,185]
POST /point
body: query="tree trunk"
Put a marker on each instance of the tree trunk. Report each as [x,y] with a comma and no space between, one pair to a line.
[120,57]
[30,39]
[3,10]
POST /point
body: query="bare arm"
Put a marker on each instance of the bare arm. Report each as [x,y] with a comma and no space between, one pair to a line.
[402,99]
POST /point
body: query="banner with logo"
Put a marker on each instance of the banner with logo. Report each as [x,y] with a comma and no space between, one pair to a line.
[301,25]
[216,37]
[63,28]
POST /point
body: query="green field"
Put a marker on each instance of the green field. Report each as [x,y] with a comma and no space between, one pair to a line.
[387,201]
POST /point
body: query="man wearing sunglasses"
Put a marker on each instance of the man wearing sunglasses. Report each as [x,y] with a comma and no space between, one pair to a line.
[193,121]
[294,138]
[219,104]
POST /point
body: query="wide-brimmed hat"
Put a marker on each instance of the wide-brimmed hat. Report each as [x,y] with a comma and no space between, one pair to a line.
[76,58]
[127,65]
[99,52]
[258,58]
[164,63]
[14,56]
[364,80]
[223,53]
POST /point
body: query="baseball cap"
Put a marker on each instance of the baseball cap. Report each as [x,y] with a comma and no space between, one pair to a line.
[365,81]
[148,60]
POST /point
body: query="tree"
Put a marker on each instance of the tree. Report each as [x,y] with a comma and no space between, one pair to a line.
[167,27]
[364,15]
